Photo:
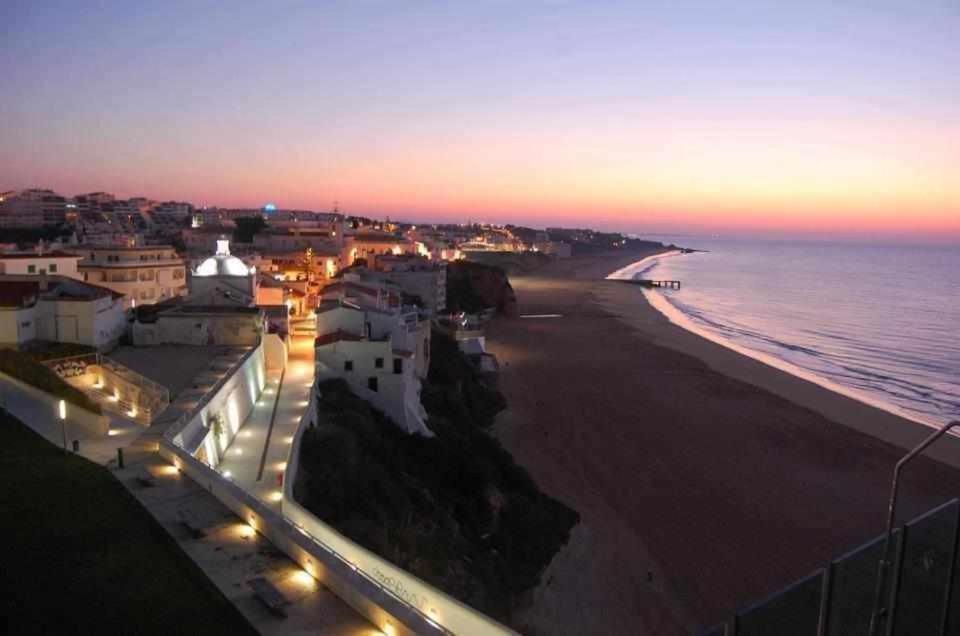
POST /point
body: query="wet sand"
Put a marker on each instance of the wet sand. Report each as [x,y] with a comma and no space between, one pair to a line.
[705,479]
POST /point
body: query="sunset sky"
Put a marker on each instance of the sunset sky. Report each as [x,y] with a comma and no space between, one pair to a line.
[770,117]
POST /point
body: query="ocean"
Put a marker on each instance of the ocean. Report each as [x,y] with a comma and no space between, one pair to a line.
[878,322]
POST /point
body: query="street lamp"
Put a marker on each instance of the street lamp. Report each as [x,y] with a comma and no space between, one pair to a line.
[880,611]
[62,411]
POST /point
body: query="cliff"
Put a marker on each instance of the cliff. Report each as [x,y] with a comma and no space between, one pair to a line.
[473,287]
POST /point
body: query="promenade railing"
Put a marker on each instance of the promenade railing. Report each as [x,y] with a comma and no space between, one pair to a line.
[837,600]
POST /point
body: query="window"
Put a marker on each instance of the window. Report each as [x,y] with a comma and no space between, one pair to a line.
[398,365]
[372,384]
[52,268]
[348,365]
[146,274]
[378,363]
[31,269]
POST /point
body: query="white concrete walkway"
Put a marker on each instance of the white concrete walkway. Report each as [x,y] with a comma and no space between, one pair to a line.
[257,457]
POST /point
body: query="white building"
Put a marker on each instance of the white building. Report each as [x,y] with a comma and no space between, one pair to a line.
[416,276]
[223,279]
[145,275]
[377,353]
[54,262]
[32,208]
[199,325]
[219,310]
[59,309]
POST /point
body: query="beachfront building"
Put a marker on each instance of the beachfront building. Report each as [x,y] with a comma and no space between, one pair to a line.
[416,276]
[144,275]
[59,309]
[38,262]
[375,351]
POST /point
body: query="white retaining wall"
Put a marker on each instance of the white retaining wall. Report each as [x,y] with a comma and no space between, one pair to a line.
[33,400]
[233,399]
[395,601]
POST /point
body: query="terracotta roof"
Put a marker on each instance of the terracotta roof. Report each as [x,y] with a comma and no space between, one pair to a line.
[61,287]
[336,336]
[15,293]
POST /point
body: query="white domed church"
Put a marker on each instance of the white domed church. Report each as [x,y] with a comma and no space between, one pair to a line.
[223,279]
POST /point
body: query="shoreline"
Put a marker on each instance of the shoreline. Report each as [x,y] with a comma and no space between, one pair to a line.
[676,316]
[705,479]
[904,437]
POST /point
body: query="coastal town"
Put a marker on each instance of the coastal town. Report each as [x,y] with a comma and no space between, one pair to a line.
[480,318]
[165,341]
[345,424]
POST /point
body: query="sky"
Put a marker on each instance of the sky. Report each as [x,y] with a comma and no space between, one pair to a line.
[837,119]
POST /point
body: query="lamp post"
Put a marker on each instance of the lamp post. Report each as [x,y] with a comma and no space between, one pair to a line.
[62,411]
[880,611]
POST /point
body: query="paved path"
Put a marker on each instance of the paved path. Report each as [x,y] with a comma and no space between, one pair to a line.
[229,553]
[260,444]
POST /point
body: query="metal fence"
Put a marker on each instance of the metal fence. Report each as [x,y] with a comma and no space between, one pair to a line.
[150,397]
[837,600]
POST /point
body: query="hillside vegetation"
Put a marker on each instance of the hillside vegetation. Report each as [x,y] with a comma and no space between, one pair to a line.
[25,368]
[454,510]
[82,556]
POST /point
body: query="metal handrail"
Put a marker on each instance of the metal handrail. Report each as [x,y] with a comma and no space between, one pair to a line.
[880,611]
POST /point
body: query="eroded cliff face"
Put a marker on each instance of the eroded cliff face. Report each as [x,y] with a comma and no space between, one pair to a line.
[473,287]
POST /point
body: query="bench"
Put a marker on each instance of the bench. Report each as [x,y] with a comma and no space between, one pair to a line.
[269,595]
[189,521]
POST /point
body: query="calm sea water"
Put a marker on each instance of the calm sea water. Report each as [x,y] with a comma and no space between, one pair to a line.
[882,322]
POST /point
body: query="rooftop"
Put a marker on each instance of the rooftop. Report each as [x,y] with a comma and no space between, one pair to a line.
[17,293]
[336,336]
[29,255]
[14,289]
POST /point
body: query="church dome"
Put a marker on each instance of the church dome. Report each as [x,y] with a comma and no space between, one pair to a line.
[222,264]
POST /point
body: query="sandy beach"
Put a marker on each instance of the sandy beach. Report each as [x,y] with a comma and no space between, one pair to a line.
[705,479]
